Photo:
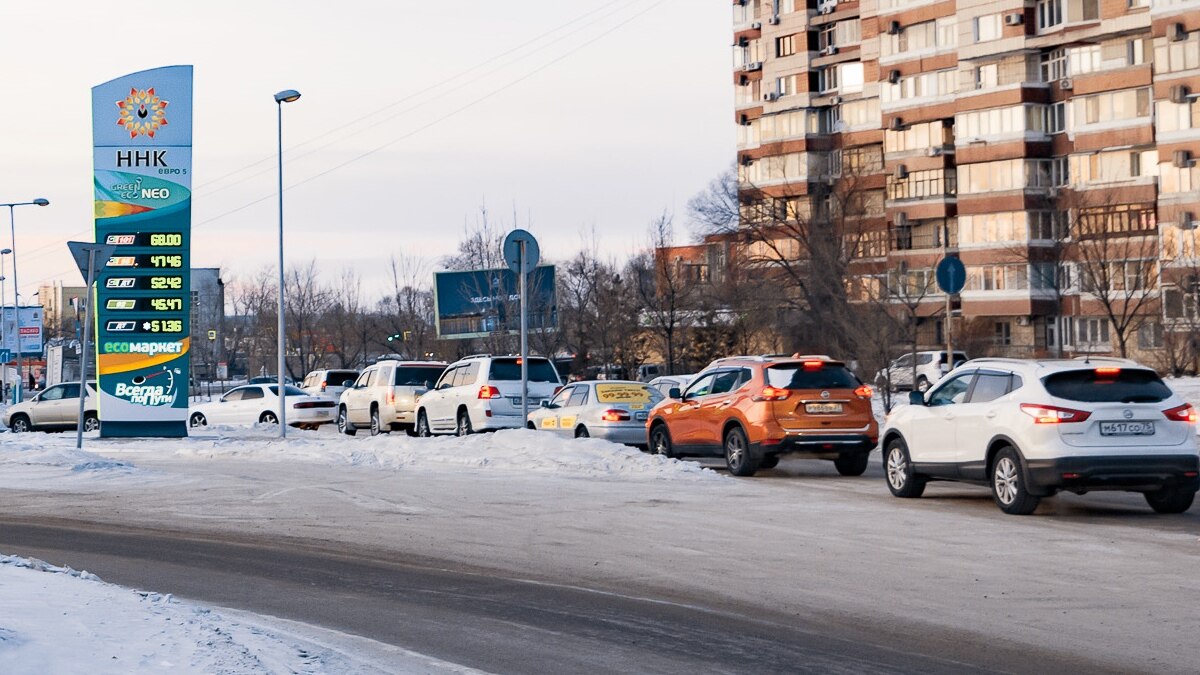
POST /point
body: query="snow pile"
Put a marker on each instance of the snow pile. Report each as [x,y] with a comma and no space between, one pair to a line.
[59,620]
[57,450]
[515,450]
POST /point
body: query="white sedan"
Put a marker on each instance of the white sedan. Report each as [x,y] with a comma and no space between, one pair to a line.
[259,404]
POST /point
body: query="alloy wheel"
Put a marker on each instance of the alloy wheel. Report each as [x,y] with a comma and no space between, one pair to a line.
[1006,478]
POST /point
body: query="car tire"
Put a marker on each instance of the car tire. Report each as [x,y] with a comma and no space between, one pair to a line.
[268,417]
[20,424]
[1008,484]
[343,422]
[1170,500]
[423,425]
[376,427]
[769,462]
[922,384]
[852,464]
[660,441]
[582,432]
[463,426]
[410,429]
[197,420]
[740,459]
[902,481]
[91,422]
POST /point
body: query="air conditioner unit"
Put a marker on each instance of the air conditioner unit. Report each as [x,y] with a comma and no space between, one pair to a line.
[893,28]
[756,26]
[1187,220]
[893,76]
[743,42]
[902,219]
[1022,321]
[745,160]
[1179,93]
[835,100]
[771,96]
[1014,19]
[757,65]
[1066,84]
[1182,159]
[1052,193]
[934,151]
[1176,32]
[896,124]
[901,172]
[827,9]
[774,21]
[829,51]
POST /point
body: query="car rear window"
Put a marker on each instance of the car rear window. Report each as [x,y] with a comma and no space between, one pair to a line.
[418,376]
[540,370]
[796,376]
[1127,385]
[335,378]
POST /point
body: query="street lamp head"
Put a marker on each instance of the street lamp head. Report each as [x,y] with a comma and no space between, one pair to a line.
[6,251]
[41,201]
[287,96]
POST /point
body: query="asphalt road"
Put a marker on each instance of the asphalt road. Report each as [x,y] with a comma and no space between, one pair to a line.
[493,622]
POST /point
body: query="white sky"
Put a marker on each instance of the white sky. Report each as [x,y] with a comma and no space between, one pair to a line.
[607,136]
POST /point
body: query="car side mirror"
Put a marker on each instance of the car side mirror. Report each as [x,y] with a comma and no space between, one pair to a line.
[547,404]
[916,398]
[674,393]
[347,383]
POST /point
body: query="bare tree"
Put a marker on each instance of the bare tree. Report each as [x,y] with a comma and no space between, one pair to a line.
[665,294]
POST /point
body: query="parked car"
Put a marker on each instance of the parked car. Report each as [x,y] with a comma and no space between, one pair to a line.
[755,409]
[329,382]
[1029,429]
[483,393]
[666,383]
[54,409]
[384,397]
[259,404]
[648,371]
[615,410]
[931,366]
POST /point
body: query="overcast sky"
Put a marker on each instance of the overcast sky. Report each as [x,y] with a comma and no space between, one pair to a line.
[577,115]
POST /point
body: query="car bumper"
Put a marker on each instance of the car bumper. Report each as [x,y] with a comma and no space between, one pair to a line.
[311,416]
[630,434]
[493,422]
[820,444]
[1115,472]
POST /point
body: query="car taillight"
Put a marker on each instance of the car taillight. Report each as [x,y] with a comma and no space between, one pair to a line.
[488,391]
[1107,372]
[864,391]
[1048,414]
[1184,413]
[614,416]
[813,365]
[391,397]
[772,394]
[322,386]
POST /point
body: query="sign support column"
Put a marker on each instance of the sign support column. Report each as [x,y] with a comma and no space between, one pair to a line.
[521,252]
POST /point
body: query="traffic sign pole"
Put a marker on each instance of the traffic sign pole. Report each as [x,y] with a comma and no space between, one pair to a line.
[524,340]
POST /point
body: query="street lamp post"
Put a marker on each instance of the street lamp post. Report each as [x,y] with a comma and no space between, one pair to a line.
[3,342]
[12,223]
[285,96]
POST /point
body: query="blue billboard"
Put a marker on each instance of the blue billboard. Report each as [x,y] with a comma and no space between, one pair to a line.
[480,303]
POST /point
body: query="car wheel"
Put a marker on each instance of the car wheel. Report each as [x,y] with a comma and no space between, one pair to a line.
[343,422]
[769,462]
[20,424]
[198,420]
[582,432]
[901,479]
[463,427]
[529,426]
[410,429]
[660,441]
[852,464]
[375,426]
[423,425]
[738,456]
[268,418]
[922,384]
[1171,500]
[91,422]
[1008,485]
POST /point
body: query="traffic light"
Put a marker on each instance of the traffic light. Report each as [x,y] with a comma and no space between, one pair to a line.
[400,336]
[393,337]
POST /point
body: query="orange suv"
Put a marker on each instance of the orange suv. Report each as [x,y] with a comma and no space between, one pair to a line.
[755,409]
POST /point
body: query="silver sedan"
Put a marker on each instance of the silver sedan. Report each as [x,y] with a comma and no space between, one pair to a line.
[614,410]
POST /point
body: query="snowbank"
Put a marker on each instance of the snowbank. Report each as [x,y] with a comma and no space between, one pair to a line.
[59,620]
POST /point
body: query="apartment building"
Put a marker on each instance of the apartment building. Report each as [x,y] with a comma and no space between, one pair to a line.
[1049,144]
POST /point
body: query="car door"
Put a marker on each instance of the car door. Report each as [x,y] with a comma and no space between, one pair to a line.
[568,415]
[438,407]
[66,411]
[714,408]
[222,412]
[546,418]
[358,408]
[976,420]
[45,411]
[900,372]
[685,422]
[247,409]
[934,427]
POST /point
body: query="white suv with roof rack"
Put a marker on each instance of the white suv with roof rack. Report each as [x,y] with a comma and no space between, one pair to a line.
[483,393]
[1029,429]
[384,397]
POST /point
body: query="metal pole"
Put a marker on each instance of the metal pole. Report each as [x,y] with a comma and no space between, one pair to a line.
[282,407]
[12,222]
[83,352]
[3,342]
[524,340]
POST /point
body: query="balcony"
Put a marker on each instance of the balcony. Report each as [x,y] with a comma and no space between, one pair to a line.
[921,237]
[922,185]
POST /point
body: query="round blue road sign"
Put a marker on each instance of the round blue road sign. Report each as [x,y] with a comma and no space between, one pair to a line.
[951,275]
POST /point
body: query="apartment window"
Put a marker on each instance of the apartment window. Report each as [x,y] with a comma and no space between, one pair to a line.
[997,277]
[1172,57]
[825,37]
[1047,225]
[785,86]
[933,183]
[1150,335]
[1091,333]
[1117,219]
[921,85]
[1043,276]
[862,160]
[1010,227]
[1056,118]
[1002,333]
[988,27]
[827,79]
[1113,106]
[1049,13]
[860,113]
[987,76]
[786,45]
[850,76]
[1138,51]
[1178,116]
[1139,3]
[1122,275]
[1054,65]
[1173,179]
[1109,167]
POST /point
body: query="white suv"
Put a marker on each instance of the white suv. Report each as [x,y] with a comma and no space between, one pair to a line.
[1029,429]
[931,366]
[384,396]
[483,393]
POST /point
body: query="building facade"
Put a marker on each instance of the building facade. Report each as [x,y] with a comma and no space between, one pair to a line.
[1049,144]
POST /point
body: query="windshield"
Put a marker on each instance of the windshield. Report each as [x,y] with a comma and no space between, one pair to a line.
[288,390]
[796,376]
[540,370]
[1097,385]
[336,378]
[418,376]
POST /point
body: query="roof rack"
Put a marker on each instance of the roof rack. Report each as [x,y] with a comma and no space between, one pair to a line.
[476,356]
[1107,359]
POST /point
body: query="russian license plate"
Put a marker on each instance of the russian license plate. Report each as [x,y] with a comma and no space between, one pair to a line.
[822,408]
[641,417]
[533,402]
[1127,428]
